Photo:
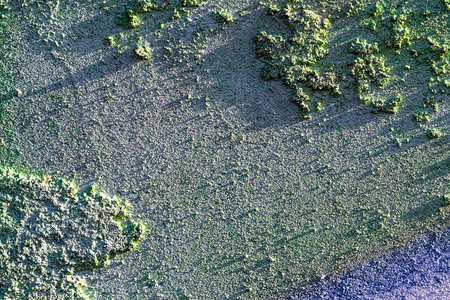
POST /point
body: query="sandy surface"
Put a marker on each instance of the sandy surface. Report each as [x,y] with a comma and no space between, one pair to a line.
[241,196]
[419,271]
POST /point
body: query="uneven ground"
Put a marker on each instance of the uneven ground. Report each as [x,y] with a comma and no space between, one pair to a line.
[244,193]
[420,271]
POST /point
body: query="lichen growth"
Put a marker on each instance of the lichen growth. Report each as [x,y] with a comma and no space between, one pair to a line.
[136,8]
[400,32]
[439,58]
[363,47]
[368,68]
[434,133]
[142,6]
[223,16]
[134,20]
[445,200]
[50,231]
[390,105]
[143,50]
[289,58]
[111,40]
[446,4]
[194,3]
[422,116]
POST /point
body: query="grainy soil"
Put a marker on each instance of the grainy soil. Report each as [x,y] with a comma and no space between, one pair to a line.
[419,271]
[256,171]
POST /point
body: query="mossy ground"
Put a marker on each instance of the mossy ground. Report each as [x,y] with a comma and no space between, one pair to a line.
[242,198]
[50,232]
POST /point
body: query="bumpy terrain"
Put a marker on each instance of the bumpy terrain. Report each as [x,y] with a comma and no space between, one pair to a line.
[266,145]
[50,232]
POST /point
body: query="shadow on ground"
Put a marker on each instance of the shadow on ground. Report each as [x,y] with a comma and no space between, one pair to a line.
[421,271]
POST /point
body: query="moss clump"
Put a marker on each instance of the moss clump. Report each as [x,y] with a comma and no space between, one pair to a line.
[223,16]
[142,6]
[143,50]
[271,47]
[434,133]
[376,17]
[400,33]
[194,3]
[307,43]
[439,58]
[312,78]
[363,47]
[49,231]
[309,39]
[274,9]
[446,4]
[391,105]
[445,200]
[289,57]
[301,98]
[111,40]
[134,21]
[422,116]
[368,68]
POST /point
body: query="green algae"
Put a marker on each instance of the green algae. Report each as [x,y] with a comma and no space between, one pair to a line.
[50,231]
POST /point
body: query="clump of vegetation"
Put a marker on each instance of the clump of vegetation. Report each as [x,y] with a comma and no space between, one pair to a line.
[427,109]
[223,16]
[111,40]
[400,33]
[363,47]
[135,8]
[422,116]
[290,57]
[434,133]
[274,9]
[312,78]
[440,61]
[194,3]
[143,50]
[49,231]
[446,4]
[390,105]
[376,14]
[368,68]
[141,6]
[133,20]
[355,7]
[309,38]
[301,99]
[445,200]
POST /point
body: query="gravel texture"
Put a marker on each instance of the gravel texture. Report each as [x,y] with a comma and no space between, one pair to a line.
[420,271]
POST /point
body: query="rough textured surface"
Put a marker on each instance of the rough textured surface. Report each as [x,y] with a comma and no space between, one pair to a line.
[420,271]
[243,197]
[50,231]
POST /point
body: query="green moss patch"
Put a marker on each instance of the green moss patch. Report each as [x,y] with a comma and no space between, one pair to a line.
[143,50]
[290,57]
[368,68]
[223,16]
[50,231]
[390,105]
[434,133]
